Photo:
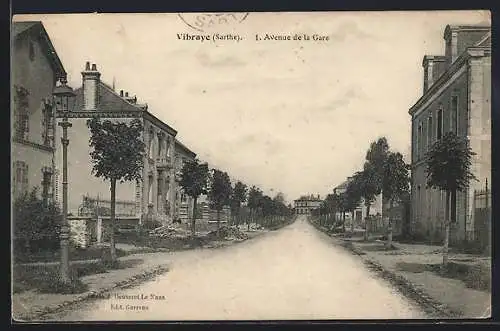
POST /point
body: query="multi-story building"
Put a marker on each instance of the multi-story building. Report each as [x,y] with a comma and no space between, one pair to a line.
[155,194]
[456,97]
[35,70]
[183,202]
[306,204]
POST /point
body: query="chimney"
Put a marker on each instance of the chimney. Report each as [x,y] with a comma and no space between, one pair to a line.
[91,78]
[433,66]
[121,93]
[126,94]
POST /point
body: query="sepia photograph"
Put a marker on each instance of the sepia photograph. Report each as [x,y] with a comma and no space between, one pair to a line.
[251,166]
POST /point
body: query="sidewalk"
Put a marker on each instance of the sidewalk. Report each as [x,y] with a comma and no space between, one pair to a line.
[142,266]
[419,265]
[31,304]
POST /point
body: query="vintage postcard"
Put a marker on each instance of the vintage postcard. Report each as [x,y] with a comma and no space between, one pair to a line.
[251,166]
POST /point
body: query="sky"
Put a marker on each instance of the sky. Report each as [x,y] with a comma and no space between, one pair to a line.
[289,116]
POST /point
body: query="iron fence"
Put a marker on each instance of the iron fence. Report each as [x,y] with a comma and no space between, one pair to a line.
[482,218]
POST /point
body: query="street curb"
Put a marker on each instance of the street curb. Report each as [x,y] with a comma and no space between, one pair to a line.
[87,296]
[406,287]
[403,285]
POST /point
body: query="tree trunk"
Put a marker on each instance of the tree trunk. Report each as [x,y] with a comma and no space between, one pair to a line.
[193,219]
[112,220]
[367,222]
[389,234]
[218,221]
[249,219]
[343,221]
[446,229]
[352,223]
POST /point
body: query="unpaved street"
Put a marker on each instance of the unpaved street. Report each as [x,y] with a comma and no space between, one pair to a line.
[292,273]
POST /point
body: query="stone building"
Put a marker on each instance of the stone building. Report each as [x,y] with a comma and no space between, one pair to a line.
[183,202]
[306,204]
[155,194]
[456,97]
[35,70]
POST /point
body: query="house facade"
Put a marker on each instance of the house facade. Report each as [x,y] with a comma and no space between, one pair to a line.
[183,202]
[35,69]
[154,195]
[306,204]
[456,97]
[376,208]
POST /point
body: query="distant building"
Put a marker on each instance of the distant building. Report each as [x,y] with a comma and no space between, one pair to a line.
[306,204]
[36,68]
[456,97]
[360,211]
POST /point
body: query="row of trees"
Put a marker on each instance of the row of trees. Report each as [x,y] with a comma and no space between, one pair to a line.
[117,152]
[197,179]
[448,168]
[384,172]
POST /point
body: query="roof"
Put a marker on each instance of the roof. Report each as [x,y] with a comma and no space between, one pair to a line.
[308,198]
[184,148]
[110,101]
[477,27]
[433,58]
[481,48]
[485,41]
[343,185]
[20,28]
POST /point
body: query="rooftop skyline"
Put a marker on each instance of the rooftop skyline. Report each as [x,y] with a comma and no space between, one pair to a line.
[290,116]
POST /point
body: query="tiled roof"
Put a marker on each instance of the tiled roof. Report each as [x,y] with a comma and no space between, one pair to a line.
[109,100]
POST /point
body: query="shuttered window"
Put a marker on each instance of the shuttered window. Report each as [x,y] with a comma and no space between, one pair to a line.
[20,180]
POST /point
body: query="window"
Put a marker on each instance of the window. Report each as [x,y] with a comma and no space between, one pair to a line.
[21,105]
[151,138]
[32,51]
[429,131]
[416,143]
[454,114]
[46,179]
[453,207]
[168,147]
[47,126]
[419,140]
[439,128]
[20,180]
[419,201]
[159,186]
[425,142]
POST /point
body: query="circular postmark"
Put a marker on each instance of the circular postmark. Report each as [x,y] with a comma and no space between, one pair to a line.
[204,21]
